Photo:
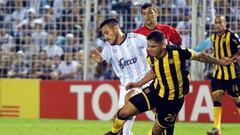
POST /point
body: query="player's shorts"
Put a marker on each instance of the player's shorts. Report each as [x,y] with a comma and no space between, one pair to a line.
[231,86]
[166,110]
[123,92]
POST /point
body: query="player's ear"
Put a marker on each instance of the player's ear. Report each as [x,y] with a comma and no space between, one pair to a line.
[116,27]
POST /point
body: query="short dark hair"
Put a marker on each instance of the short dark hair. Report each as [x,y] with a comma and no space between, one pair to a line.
[156,36]
[146,5]
[109,21]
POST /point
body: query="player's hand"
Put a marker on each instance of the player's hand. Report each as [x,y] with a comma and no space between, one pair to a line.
[132,85]
[227,61]
[96,55]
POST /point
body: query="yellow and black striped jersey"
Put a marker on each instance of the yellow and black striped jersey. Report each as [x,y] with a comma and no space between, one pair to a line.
[171,75]
[225,45]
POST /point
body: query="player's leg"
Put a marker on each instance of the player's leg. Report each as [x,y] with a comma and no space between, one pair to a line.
[126,112]
[157,129]
[126,130]
[217,95]
[166,116]
[170,130]
[234,91]
[139,103]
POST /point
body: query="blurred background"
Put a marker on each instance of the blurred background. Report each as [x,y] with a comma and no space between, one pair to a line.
[46,71]
[50,39]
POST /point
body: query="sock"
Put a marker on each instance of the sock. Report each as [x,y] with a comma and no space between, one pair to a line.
[150,132]
[169,130]
[217,110]
[128,126]
[117,125]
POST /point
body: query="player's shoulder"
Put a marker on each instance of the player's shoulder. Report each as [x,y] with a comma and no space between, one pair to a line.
[232,34]
[136,36]
[163,26]
[140,29]
[175,47]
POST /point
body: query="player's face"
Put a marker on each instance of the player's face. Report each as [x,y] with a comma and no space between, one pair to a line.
[149,16]
[110,34]
[220,24]
[154,48]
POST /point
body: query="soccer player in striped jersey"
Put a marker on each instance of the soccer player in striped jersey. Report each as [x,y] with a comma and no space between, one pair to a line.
[226,44]
[127,54]
[166,91]
[149,13]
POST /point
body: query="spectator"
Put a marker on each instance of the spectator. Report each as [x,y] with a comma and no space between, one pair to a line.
[6,41]
[29,48]
[70,45]
[19,67]
[68,68]
[184,27]
[39,35]
[52,49]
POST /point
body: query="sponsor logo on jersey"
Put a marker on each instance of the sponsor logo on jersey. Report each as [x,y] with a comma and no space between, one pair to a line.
[123,62]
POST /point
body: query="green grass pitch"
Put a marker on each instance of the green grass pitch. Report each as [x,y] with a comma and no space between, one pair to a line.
[74,127]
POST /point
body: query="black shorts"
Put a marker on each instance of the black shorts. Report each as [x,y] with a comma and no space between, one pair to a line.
[231,86]
[144,100]
[166,110]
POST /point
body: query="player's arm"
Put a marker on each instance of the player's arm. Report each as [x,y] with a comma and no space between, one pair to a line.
[235,41]
[101,64]
[148,77]
[206,58]
[175,36]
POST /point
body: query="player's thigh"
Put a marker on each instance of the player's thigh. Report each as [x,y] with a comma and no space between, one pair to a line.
[128,110]
[131,93]
[167,112]
[122,94]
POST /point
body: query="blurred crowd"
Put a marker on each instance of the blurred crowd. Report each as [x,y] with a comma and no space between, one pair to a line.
[44,38]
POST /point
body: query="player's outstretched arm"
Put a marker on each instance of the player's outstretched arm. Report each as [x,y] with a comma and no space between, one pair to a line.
[97,57]
[148,77]
[206,58]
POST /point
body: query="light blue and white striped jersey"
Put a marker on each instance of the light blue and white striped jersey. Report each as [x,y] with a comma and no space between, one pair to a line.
[128,59]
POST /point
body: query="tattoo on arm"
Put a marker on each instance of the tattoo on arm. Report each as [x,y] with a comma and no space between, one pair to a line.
[206,58]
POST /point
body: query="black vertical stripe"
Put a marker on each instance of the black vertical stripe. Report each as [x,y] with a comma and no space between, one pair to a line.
[174,75]
[163,77]
[223,75]
[219,47]
[217,71]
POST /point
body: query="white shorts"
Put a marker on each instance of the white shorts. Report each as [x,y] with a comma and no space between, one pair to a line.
[123,92]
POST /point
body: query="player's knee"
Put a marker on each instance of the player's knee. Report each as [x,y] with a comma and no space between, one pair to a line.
[129,95]
[217,96]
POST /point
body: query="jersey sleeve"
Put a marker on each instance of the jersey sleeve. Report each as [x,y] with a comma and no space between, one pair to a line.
[141,40]
[175,37]
[186,53]
[235,41]
[106,53]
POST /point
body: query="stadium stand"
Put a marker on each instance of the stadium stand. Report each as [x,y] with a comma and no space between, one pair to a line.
[37,36]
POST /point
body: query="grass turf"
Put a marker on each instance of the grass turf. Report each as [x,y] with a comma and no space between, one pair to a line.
[74,127]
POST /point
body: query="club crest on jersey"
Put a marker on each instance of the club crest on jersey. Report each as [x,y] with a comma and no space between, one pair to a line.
[171,61]
[123,62]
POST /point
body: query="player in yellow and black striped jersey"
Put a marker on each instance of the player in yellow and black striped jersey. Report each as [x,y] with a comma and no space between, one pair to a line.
[166,93]
[171,75]
[226,44]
